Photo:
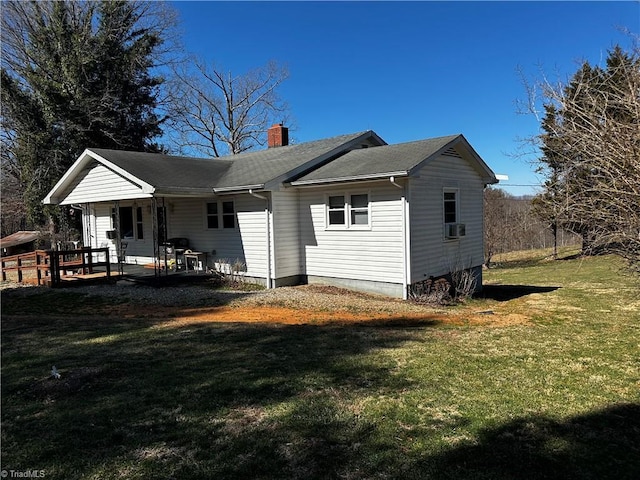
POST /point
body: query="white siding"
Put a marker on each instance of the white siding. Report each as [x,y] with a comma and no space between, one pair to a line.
[97,183]
[374,254]
[246,243]
[286,234]
[138,251]
[431,253]
[187,218]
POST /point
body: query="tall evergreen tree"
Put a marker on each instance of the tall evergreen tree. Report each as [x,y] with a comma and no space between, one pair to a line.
[75,75]
[590,145]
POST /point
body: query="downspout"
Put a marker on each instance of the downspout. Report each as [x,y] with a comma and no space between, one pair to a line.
[406,238]
[268,229]
[394,183]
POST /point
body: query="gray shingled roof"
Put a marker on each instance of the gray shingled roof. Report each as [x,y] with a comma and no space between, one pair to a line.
[167,172]
[396,159]
[258,168]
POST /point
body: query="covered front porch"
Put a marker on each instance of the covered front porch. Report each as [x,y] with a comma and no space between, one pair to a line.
[142,237]
[162,215]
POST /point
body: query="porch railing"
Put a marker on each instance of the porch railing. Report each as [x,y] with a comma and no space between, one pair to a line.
[51,267]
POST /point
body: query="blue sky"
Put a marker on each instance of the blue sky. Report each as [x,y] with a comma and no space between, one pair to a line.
[412,70]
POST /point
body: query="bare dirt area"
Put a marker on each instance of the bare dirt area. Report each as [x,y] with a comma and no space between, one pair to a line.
[307,304]
[290,316]
[316,304]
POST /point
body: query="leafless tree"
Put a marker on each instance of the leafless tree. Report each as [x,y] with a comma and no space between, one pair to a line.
[216,112]
[513,223]
[495,222]
[591,151]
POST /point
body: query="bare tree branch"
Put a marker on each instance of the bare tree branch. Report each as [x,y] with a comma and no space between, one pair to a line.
[217,113]
[590,145]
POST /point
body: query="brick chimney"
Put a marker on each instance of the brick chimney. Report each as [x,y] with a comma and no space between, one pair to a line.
[277,136]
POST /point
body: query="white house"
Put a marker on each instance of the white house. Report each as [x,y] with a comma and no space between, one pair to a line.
[348,210]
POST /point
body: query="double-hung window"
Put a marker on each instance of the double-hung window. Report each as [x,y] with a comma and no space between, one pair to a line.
[453,229]
[212,215]
[348,210]
[221,214]
[359,208]
[228,215]
[336,210]
[450,202]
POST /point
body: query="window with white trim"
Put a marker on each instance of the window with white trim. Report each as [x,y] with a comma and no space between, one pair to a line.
[359,208]
[450,206]
[336,210]
[348,210]
[220,214]
[212,215]
[130,227]
[228,215]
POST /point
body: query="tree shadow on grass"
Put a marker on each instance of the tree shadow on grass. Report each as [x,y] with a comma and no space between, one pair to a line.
[504,293]
[599,445]
[251,401]
[200,401]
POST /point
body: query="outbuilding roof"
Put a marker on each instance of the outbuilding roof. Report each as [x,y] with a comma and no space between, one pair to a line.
[19,238]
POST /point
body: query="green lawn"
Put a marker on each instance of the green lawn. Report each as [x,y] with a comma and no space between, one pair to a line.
[556,395]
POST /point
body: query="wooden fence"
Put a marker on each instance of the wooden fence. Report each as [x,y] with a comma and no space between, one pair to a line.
[52,267]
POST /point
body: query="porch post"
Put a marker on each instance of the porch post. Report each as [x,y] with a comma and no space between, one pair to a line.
[269,272]
[116,207]
[164,236]
[86,222]
[154,229]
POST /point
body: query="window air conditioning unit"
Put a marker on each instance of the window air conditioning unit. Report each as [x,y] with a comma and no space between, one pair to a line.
[455,230]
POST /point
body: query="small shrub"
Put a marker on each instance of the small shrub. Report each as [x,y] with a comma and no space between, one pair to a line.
[431,292]
[232,275]
[464,284]
[457,288]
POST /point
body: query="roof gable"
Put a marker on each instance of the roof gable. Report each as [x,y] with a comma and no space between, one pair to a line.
[168,173]
[337,159]
[268,168]
[403,159]
[159,174]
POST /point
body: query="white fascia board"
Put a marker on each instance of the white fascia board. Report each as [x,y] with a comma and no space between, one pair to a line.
[52,198]
[352,178]
[86,156]
[146,188]
[185,192]
[490,177]
[237,189]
